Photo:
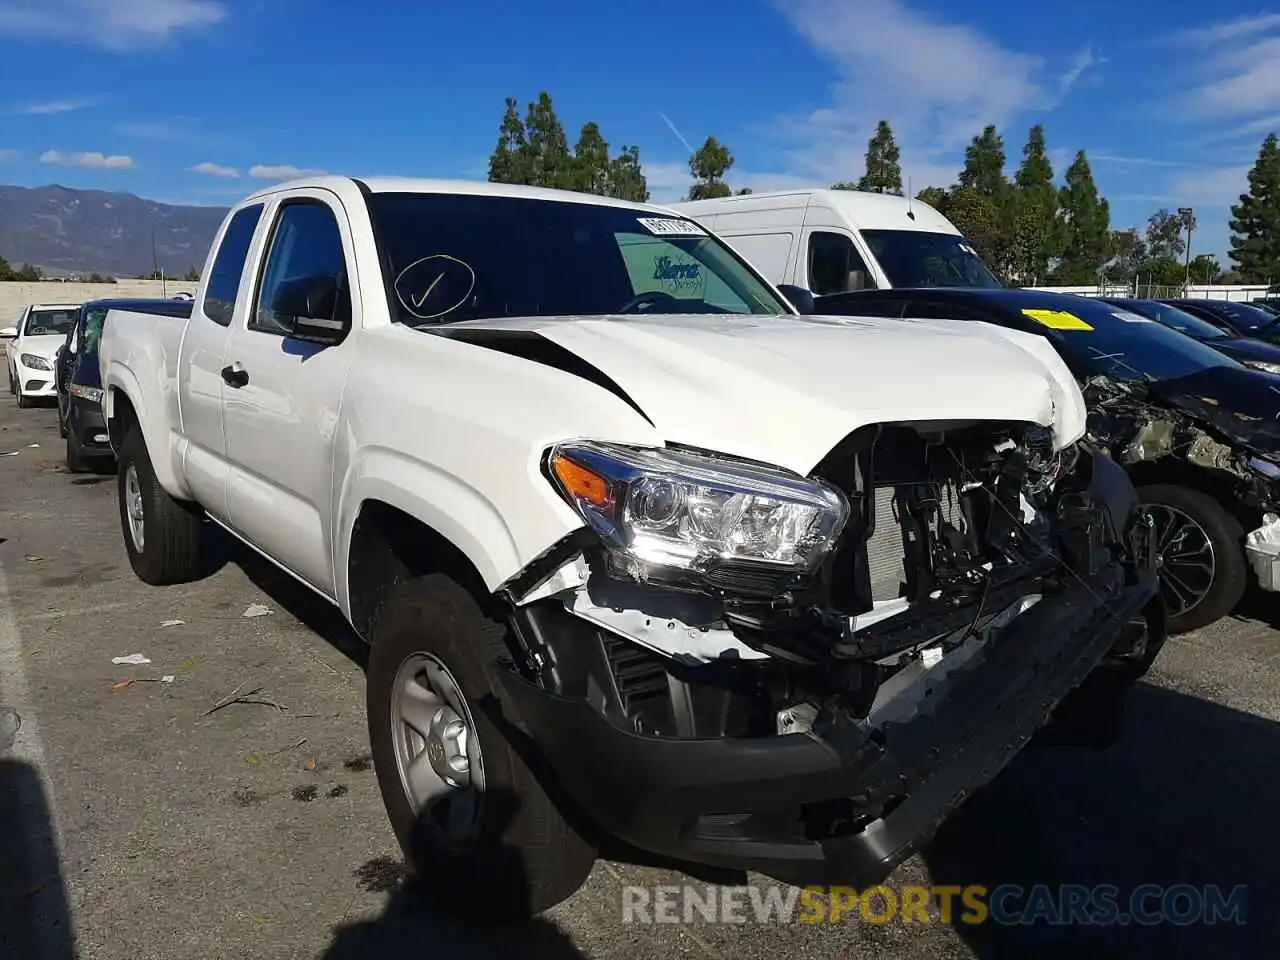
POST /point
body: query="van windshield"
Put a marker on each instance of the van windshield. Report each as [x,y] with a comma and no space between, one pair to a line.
[916,258]
[451,258]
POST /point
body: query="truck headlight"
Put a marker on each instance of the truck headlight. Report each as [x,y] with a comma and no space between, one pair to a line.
[1263,366]
[34,362]
[659,509]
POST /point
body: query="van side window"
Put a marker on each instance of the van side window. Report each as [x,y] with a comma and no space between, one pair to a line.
[224,278]
[306,242]
[835,266]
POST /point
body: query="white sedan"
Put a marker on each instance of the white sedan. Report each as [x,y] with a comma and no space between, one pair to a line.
[42,329]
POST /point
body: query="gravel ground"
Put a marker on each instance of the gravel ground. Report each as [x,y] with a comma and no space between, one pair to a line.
[135,826]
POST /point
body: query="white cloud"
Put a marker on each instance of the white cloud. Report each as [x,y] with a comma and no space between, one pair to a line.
[56,106]
[938,83]
[1211,187]
[216,170]
[263,171]
[1121,160]
[1236,69]
[8,154]
[111,24]
[92,159]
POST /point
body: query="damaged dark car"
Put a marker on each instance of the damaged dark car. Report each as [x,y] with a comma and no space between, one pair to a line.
[1198,432]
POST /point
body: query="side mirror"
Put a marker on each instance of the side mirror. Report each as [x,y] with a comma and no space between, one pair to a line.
[8,333]
[308,307]
[798,297]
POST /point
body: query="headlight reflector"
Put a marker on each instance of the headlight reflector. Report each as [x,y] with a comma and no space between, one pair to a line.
[662,509]
[92,394]
[34,362]
[1263,366]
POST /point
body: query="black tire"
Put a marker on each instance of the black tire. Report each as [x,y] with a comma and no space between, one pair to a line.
[171,528]
[62,421]
[24,402]
[525,857]
[1225,536]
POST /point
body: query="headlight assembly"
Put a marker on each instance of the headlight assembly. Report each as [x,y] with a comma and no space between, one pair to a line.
[33,362]
[663,512]
[1263,366]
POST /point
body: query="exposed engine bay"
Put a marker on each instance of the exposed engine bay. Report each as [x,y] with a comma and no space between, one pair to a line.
[953,531]
[1133,429]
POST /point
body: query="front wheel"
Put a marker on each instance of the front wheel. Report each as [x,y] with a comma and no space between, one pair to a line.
[161,534]
[479,833]
[1203,573]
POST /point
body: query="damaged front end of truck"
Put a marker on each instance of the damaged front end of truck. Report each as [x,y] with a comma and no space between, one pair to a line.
[735,665]
[1160,432]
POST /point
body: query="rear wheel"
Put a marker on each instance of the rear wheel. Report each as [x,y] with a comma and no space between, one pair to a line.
[479,833]
[1203,573]
[161,534]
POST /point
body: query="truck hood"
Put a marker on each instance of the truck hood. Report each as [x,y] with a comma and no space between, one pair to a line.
[785,390]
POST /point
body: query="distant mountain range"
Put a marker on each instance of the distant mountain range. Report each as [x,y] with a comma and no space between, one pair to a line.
[65,231]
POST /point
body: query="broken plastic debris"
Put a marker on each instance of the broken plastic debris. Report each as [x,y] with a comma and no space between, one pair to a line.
[11,453]
[171,623]
[255,610]
[168,678]
[32,558]
[931,656]
[30,445]
[134,659]
[121,683]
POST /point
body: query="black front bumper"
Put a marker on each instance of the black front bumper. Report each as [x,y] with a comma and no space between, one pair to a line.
[85,424]
[743,803]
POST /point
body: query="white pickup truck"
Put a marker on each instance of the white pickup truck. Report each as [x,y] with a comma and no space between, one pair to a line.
[639,551]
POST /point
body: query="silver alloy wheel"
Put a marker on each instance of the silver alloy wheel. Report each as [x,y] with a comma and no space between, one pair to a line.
[436,749]
[133,507]
[1187,564]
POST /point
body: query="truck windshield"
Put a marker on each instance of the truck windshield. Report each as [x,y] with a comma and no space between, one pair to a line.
[454,257]
[915,258]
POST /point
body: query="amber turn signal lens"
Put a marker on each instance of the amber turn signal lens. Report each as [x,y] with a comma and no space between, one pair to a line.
[580,483]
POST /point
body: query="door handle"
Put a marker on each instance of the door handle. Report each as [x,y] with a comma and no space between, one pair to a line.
[235,375]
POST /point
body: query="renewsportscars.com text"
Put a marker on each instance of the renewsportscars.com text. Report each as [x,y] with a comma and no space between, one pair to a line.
[1007,904]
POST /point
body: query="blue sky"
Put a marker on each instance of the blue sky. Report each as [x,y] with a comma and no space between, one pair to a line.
[200,101]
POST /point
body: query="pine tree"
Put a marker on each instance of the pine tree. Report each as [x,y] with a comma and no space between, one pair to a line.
[591,166]
[626,178]
[1255,220]
[883,175]
[984,163]
[507,162]
[708,165]
[1086,220]
[548,161]
[1037,236]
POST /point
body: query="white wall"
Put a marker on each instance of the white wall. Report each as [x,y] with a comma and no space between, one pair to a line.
[14,296]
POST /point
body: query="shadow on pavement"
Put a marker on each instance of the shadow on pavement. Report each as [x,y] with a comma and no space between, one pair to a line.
[316,613]
[1186,798]
[35,919]
[410,926]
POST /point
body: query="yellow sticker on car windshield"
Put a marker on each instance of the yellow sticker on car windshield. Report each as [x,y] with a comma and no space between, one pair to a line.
[1057,319]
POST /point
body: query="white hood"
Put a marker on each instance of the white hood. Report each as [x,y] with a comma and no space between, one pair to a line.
[43,346]
[785,390]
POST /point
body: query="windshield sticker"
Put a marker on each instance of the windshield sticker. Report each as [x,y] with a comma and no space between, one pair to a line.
[1128,317]
[1057,319]
[434,286]
[667,227]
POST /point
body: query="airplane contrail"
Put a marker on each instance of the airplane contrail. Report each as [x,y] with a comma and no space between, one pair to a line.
[679,136]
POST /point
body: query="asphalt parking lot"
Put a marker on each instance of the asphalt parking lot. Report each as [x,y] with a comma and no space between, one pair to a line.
[136,824]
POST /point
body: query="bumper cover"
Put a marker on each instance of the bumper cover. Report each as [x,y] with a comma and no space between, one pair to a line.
[85,423]
[1262,547]
[743,803]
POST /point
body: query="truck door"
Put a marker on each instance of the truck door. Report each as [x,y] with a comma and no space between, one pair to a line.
[200,384]
[282,395]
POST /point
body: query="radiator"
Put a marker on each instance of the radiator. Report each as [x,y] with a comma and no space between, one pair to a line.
[885,553]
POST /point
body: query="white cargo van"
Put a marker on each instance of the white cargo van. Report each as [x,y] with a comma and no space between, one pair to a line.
[832,241]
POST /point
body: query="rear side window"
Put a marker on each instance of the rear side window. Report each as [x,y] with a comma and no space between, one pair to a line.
[224,278]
